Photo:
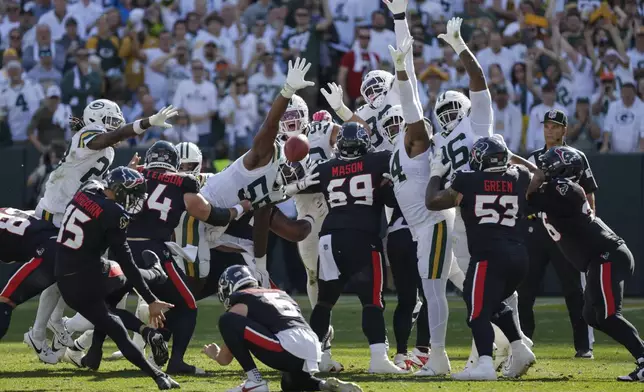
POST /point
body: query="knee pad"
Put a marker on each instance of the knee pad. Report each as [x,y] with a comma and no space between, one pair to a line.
[5,318]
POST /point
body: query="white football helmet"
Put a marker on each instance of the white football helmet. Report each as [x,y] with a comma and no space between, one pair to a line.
[392,123]
[190,153]
[375,87]
[105,112]
[451,108]
[296,117]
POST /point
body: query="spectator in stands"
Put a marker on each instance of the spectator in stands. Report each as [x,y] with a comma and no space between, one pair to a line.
[70,42]
[49,160]
[57,17]
[214,33]
[43,41]
[381,36]
[197,97]
[583,129]
[355,64]
[81,84]
[44,72]
[134,110]
[152,134]
[507,118]
[9,22]
[180,33]
[15,41]
[175,66]
[28,26]
[534,137]
[606,94]
[18,102]
[183,130]
[496,77]
[523,97]
[256,11]
[266,83]
[156,81]
[255,45]
[208,56]
[496,53]
[239,111]
[624,125]
[88,11]
[106,46]
[130,51]
[232,26]
[636,54]
[50,122]
[7,56]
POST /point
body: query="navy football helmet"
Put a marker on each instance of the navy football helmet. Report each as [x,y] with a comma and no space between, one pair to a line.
[562,162]
[128,185]
[235,278]
[489,153]
[353,141]
[162,155]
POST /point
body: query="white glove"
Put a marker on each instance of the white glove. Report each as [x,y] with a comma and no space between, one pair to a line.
[399,54]
[334,98]
[453,35]
[159,119]
[436,165]
[295,77]
[307,181]
[396,6]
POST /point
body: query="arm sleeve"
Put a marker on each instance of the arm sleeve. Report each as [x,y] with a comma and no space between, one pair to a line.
[587,180]
[402,32]
[481,116]
[123,255]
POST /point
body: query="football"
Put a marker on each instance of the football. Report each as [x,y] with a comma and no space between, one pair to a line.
[296,148]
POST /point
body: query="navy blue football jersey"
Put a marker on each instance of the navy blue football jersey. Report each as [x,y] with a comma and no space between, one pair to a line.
[162,210]
[273,309]
[353,192]
[567,217]
[22,235]
[492,204]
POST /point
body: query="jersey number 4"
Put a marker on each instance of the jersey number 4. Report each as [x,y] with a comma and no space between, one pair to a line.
[396,168]
[154,202]
[491,215]
[73,216]
[360,188]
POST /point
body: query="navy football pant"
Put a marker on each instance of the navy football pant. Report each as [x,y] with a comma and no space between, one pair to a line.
[490,279]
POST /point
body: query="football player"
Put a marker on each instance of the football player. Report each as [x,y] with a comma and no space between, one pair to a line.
[492,198]
[170,194]
[269,325]
[255,175]
[589,245]
[89,155]
[350,244]
[410,171]
[97,219]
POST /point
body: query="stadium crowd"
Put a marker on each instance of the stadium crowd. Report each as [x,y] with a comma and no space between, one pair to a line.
[222,62]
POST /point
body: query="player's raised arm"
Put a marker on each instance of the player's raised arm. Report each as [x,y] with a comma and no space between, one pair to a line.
[261,152]
[197,206]
[334,98]
[436,199]
[108,139]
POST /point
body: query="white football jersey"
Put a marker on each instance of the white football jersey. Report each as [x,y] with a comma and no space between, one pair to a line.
[371,116]
[80,164]
[320,148]
[20,104]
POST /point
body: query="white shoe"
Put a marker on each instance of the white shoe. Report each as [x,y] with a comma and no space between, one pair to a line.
[116,355]
[501,355]
[521,359]
[403,361]
[481,372]
[419,358]
[328,364]
[437,364]
[74,357]
[335,385]
[42,350]
[382,365]
[251,386]
[61,334]
[527,341]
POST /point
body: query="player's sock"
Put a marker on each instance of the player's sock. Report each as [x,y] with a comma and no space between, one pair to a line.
[513,303]
[373,324]
[620,329]
[437,309]
[57,315]
[320,320]
[456,276]
[84,341]
[403,325]
[48,301]
[5,318]
[505,322]
[422,329]
[78,323]
[182,327]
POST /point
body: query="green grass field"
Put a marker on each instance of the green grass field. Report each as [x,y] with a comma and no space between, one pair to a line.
[555,370]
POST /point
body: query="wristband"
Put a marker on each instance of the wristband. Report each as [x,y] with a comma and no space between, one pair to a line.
[137,127]
[240,211]
[459,47]
[344,113]
[287,91]
[400,16]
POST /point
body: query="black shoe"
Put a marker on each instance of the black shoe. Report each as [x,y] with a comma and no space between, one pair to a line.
[93,359]
[165,382]
[184,369]
[635,375]
[158,346]
[585,354]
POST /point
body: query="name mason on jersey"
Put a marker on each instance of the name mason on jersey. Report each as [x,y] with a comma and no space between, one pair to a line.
[349,168]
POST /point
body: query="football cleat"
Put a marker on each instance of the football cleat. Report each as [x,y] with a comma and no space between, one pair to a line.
[437,364]
[585,354]
[335,385]
[44,353]
[61,334]
[116,356]
[419,358]
[73,356]
[184,369]
[251,386]
[382,365]
[158,346]
[483,371]
[501,355]
[521,359]
[403,361]
[165,382]
[328,364]
[635,375]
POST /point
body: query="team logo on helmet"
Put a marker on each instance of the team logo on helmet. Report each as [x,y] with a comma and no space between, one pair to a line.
[479,150]
[565,155]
